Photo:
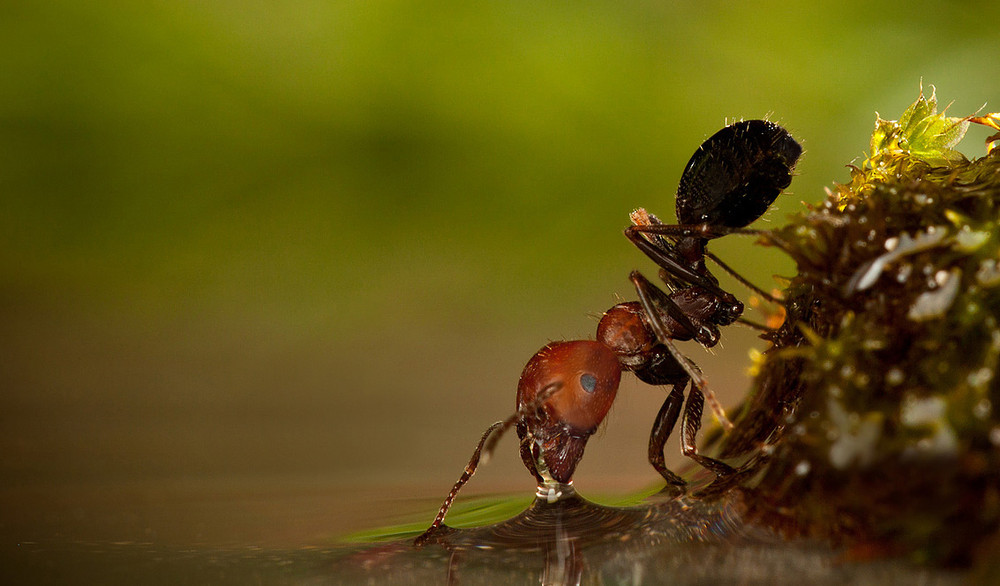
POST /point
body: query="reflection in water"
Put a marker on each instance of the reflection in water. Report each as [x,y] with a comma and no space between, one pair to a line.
[573,518]
[677,540]
[560,533]
[571,541]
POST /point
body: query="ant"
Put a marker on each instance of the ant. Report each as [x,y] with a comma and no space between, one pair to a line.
[567,388]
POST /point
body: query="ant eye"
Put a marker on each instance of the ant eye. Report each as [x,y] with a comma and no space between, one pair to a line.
[588,382]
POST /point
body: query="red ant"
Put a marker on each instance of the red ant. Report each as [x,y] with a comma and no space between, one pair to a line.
[567,388]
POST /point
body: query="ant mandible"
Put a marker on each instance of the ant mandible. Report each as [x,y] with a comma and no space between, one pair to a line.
[567,388]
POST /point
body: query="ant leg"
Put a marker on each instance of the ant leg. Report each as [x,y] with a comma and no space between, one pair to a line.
[666,419]
[743,281]
[772,239]
[642,286]
[470,469]
[667,259]
[706,231]
[690,425]
[657,297]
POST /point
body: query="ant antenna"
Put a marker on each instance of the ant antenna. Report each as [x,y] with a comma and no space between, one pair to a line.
[470,469]
[483,452]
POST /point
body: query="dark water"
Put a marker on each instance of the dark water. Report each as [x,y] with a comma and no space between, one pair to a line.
[571,541]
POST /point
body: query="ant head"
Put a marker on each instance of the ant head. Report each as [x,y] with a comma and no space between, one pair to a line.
[579,380]
[736,174]
[572,386]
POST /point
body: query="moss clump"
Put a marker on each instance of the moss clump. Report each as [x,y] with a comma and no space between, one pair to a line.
[879,400]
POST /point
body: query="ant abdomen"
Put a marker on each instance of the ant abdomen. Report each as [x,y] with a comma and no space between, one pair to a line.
[735,175]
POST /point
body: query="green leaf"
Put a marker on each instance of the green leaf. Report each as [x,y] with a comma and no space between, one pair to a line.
[929,136]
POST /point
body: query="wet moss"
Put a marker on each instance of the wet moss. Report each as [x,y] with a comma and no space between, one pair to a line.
[878,402]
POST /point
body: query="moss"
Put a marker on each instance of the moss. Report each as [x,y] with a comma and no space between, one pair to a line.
[879,398]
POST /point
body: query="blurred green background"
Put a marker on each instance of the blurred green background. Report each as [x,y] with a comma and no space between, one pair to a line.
[306,247]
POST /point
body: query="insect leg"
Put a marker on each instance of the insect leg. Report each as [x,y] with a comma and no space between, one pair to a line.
[666,419]
[643,288]
[743,280]
[690,425]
